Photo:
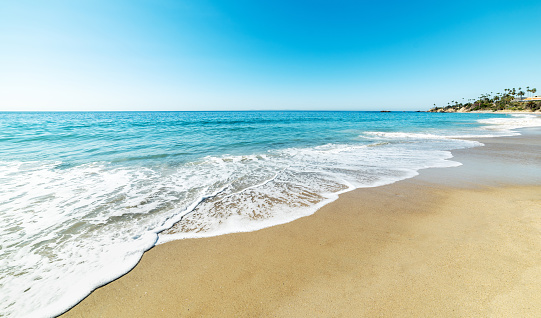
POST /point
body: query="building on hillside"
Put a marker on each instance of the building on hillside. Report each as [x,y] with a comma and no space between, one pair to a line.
[535,98]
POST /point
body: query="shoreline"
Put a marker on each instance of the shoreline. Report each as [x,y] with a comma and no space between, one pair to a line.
[506,112]
[537,112]
[336,254]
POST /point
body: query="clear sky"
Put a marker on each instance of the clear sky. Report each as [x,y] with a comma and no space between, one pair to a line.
[248,55]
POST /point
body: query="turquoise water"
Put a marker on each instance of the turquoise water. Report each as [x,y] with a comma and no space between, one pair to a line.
[178,137]
[85,194]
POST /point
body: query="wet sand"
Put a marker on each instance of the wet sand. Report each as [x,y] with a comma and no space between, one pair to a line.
[453,242]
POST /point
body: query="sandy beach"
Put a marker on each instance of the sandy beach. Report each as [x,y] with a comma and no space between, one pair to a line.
[451,242]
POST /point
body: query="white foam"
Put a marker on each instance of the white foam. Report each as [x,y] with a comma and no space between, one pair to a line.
[423,136]
[313,177]
[515,121]
[404,135]
[68,231]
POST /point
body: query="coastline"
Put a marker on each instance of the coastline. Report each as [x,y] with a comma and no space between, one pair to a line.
[493,112]
[452,241]
[504,111]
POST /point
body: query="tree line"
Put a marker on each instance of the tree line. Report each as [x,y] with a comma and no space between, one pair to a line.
[510,99]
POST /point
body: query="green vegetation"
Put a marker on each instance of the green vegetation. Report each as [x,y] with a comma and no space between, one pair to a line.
[511,100]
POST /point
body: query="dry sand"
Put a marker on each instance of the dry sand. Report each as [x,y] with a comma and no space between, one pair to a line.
[454,242]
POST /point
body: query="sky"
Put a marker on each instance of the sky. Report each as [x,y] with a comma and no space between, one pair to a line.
[262,55]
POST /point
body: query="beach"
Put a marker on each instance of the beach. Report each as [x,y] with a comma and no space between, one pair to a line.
[269,159]
[461,241]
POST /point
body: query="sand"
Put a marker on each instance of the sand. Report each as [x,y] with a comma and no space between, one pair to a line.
[453,242]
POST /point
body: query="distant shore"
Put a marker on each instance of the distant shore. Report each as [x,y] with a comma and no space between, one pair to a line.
[511,100]
[487,111]
[451,242]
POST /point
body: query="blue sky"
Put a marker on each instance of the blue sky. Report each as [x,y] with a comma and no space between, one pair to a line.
[248,55]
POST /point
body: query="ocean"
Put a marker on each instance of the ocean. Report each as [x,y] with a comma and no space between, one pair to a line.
[84,194]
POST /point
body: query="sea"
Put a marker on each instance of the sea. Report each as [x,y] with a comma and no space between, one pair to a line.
[84,194]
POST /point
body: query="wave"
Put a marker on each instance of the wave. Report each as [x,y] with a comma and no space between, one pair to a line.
[516,121]
[308,179]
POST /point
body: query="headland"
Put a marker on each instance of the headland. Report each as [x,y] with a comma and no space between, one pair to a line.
[512,100]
